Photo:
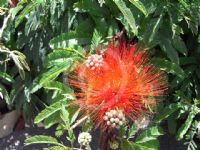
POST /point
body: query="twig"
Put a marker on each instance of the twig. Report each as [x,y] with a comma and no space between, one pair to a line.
[79,122]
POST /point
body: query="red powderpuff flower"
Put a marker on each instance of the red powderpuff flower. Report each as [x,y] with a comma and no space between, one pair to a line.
[117,84]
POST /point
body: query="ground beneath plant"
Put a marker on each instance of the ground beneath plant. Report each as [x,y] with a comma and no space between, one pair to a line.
[15,141]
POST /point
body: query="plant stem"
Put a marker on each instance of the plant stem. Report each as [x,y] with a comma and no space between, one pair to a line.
[79,122]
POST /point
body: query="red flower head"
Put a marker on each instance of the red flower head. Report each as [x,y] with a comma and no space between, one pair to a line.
[117,84]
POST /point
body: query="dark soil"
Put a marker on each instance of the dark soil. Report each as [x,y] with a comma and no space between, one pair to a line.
[15,141]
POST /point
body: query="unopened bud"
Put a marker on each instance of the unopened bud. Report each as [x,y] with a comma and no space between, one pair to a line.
[114,118]
[113,125]
[108,123]
[84,138]
[94,61]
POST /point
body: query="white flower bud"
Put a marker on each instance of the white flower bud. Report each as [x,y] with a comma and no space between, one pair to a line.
[112,120]
[108,123]
[113,125]
[123,119]
[91,63]
[120,123]
[94,61]
[116,120]
[109,115]
[120,115]
[114,112]
[84,138]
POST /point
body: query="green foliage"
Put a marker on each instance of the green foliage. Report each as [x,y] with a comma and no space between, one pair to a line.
[42,139]
[140,6]
[43,40]
[50,110]
[128,16]
[146,140]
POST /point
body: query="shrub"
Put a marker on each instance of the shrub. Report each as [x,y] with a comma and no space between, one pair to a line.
[52,35]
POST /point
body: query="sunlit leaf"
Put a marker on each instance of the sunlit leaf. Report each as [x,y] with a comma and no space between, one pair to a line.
[140,6]
[126,145]
[47,112]
[26,11]
[42,139]
[127,15]
[6,77]
[184,128]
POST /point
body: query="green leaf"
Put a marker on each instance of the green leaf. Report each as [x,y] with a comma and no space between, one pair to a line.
[55,85]
[15,11]
[3,3]
[169,67]
[140,6]
[179,44]
[56,57]
[126,145]
[184,128]
[127,15]
[184,3]
[59,56]
[96,39]
[74,117]
[167,47]
[41,139]
[4,94]
[167,111]
[51,120]
[149,135]
[150,145]
[133,130]
[27,94]
[56,70]
[50,110]
[35,86]
[60,130]
[62,40]
[65,116]
[6,77]
[188,60]
[154,31]
[26,11]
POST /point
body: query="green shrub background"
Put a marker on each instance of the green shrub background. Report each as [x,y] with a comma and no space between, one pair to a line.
[42,39]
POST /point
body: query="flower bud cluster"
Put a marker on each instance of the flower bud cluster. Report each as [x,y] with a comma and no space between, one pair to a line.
[84,138]
[94,61]
[114,118]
